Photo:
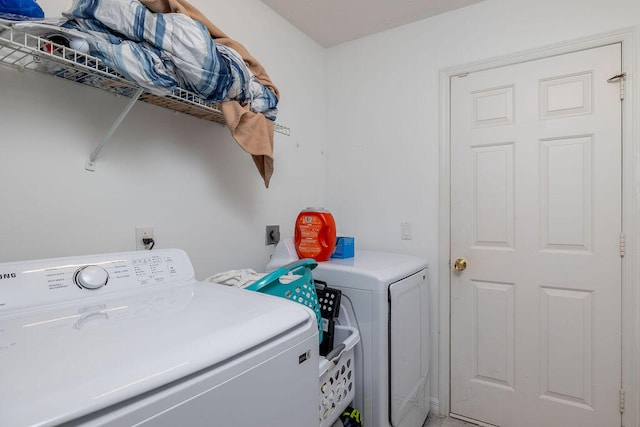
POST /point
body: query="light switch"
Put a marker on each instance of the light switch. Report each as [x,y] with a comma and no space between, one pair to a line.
[405,231]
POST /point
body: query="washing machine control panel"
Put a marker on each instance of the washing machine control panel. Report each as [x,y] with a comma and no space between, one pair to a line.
[31,283]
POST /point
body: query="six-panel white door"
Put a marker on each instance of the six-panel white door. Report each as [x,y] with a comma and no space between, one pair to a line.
[536,214]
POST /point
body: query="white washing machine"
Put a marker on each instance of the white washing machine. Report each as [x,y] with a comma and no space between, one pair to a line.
[133,339]
[386,295]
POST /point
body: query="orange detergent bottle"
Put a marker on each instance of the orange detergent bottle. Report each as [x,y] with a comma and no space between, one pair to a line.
[315,234]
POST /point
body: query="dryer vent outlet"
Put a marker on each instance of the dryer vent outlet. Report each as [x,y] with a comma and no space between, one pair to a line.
[272,235]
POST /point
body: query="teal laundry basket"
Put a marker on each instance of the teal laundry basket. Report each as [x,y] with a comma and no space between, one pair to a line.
[294,282]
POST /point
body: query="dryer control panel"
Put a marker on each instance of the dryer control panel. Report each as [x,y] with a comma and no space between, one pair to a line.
[55,280]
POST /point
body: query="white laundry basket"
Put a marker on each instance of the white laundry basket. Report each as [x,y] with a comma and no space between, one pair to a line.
[337,383]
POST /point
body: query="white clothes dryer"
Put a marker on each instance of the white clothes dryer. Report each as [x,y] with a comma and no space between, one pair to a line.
[386,296]
[133,339]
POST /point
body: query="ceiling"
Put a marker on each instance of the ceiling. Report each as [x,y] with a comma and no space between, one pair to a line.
[331,22]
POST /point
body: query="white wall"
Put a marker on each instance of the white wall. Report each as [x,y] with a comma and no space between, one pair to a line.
[185,177]
[383,112]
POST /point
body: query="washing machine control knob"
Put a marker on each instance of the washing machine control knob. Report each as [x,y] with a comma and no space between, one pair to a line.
[91,277]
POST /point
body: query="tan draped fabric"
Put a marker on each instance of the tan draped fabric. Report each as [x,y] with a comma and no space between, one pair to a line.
[252,131]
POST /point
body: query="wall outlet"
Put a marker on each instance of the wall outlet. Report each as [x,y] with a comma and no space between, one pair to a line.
[143,233]
[272,235]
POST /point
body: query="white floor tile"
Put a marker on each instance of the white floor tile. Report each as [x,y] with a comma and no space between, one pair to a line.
[438,421]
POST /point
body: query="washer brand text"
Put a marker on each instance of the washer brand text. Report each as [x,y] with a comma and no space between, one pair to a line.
[7,276]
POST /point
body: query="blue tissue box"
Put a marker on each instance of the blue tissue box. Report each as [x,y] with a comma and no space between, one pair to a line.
[344,248]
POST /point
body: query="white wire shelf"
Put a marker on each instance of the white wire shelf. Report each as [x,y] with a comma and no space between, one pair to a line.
[25,51]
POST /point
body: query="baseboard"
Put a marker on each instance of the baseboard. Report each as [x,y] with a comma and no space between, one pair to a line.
[435,406]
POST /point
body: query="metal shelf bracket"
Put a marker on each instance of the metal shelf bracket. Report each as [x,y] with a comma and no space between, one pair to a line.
[91,163]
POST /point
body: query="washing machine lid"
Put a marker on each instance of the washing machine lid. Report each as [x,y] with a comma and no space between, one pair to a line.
[72,357]
[370,270]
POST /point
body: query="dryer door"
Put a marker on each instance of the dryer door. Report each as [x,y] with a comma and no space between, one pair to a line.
[409,351]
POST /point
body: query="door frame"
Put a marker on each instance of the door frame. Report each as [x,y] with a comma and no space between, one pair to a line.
[630,205]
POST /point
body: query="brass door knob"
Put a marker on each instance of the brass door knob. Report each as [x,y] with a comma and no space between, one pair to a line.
[460,264]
